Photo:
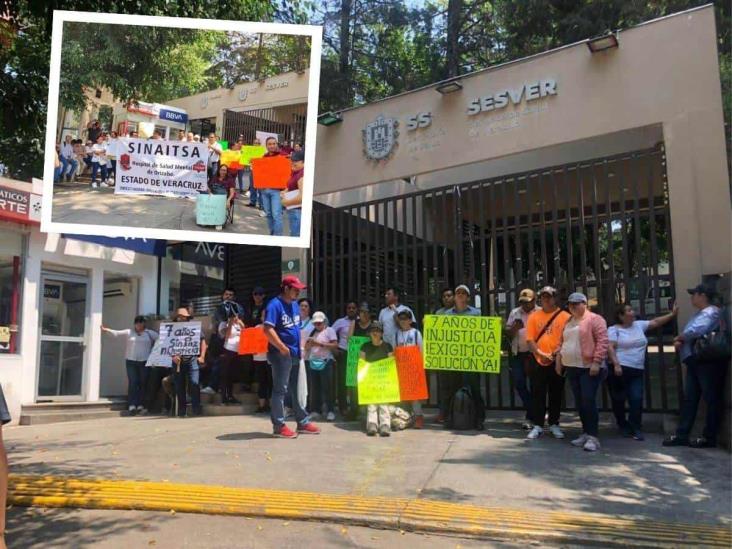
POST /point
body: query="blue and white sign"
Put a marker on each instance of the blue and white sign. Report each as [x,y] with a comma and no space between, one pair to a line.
[147,246]
[173,116]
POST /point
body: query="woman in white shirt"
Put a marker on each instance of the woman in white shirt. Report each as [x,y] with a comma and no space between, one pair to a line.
[627,353]
[230,332]
[140,342]
[319,348]
[99,162]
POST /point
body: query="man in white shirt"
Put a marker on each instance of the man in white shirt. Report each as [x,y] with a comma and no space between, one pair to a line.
[342,328]
[519,358]
[99,162]
[69,163]
[387,315]
[214,154]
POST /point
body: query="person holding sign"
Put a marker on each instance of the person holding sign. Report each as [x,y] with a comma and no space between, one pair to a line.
[378,417]
[186,368]
[281,326]
[583,353]
[319,347]
[408,336]
[262,372]
[230,332]
[223,184]
[270,197]
[544,338]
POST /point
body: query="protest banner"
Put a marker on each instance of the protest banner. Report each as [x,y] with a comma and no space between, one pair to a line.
[410,368]
[175,339]
[231,159]
[253,341]
[224,145]
[211,209]
[251,151]
[271,172]
[163,168]
[354,348]
[462,343]
[378,382]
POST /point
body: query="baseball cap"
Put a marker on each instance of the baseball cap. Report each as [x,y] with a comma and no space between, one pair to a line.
[577,297]
[364,307]
[258,290]
[318,316]
[182,311]
[404,314]
[464,288]
[292,280]
[526,295]
[705,289]
[376,326]
[297,156]
[548,290]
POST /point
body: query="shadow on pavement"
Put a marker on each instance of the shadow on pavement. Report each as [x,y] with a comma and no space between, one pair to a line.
[244,436]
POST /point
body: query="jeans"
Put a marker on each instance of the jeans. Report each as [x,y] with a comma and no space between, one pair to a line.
[67,163]
[113,170]
[517,364]
[189,371]
[703,380]
[584,388]
[545,380]
[285,373]
[154,378]
[136,382]
[96,166]
[293,216]
[628,386]
[240,180]
[321,382]
[57,172]
[264,379]
[273,208]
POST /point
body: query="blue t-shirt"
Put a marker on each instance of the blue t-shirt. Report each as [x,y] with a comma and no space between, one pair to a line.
[285,319]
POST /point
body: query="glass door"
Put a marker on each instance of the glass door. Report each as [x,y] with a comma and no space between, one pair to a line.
[62,337]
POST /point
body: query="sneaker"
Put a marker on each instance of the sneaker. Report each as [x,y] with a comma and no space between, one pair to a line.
[673,440]
[556,431]
[637,435]
[535,432]
[103,184]
[308,429]
[384,431]
[702,443]
[285,432]
[527,426]
[579,442]
[419,422]
[132,410]
[262,213]
[330,416]
[143,412]
[208,391]
[140,408]
[94,185]
[371,429]
[592,444]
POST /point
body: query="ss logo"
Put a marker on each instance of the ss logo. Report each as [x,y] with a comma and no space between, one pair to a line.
[420,120]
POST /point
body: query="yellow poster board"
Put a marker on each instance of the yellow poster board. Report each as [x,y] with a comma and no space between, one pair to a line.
[378,382]
[251,151]
[463,343]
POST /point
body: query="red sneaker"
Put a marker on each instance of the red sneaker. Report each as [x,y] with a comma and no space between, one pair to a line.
[285,432]
[308,429]
[419,422]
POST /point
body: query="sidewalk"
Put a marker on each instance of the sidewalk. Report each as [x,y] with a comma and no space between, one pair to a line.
[497,474]
[80,204]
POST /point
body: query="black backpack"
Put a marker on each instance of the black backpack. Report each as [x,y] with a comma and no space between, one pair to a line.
[465,412]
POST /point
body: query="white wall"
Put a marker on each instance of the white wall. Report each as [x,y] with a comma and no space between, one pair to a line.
[118,312]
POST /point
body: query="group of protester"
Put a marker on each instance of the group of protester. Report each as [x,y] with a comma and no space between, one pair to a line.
[98,157]
[548,343]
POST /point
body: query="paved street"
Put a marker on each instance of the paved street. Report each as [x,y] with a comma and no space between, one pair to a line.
[81,204]
[498,468]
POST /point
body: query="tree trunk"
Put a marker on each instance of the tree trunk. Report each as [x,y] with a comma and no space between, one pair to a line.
[454,9]
[258,65]
[344,61]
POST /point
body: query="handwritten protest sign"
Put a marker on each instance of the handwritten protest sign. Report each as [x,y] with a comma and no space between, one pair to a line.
[211,209]
[164,168]
[230,158]
[378,382]
[251,151]
[224,145]
[175,339]
[462,343]
[412,379]
[271,172]
[253,341]
[354,348]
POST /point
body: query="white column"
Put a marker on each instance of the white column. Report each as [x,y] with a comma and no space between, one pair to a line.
[94,336]
[30,321]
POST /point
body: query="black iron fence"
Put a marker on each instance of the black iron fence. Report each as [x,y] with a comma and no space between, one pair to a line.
[288,122]
[600,226]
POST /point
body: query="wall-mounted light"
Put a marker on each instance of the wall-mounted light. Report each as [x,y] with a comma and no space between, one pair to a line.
[449,86]
[604,42]
[330,118]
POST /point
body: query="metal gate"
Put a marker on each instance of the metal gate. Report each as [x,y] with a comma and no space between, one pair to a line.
[600,226]
[287,121]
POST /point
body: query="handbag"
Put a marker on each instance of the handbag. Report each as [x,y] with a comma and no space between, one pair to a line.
[302,385]
[714,346]
[317,364]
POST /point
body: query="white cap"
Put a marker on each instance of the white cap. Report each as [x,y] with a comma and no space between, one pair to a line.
[464,288]
[318,316]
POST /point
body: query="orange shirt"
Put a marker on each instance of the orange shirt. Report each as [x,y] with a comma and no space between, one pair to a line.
[551,341]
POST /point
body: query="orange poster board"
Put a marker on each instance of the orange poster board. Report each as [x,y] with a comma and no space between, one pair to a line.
[253,341]
[412,379]
[271,172]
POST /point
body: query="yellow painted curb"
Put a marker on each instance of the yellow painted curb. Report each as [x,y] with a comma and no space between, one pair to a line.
[421,515]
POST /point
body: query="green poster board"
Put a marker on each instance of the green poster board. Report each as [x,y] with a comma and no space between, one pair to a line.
[378,382]
[463,343]
[224,145]
[354,348]
[211,209]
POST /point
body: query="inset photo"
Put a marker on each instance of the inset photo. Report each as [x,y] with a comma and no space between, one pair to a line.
[181,129]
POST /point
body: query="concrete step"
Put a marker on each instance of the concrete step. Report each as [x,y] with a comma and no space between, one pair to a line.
[40,418]
[57,412]
[245,398]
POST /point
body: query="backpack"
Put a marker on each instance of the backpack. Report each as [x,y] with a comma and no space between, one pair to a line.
[465,412]
[715,345]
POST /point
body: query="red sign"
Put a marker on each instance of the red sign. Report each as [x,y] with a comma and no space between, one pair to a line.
[271,172]
[20,206]
[412,379]
[252,341]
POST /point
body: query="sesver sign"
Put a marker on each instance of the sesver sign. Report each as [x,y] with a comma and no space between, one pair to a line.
[462,343]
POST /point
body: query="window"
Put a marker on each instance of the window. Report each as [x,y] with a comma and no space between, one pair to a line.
[11,285]
[203,126]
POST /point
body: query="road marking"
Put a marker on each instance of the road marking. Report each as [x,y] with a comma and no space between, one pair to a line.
[419,515]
